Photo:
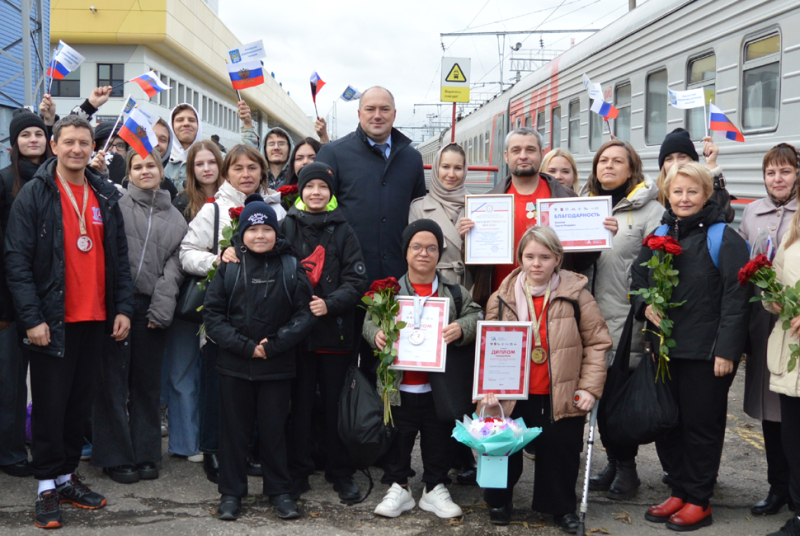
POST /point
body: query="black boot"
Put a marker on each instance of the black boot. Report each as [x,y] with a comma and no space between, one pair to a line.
[501,516]
[253,467]
[602,481]
[770,506]
[625,483]
[285,508]
[211,467]
[791,528]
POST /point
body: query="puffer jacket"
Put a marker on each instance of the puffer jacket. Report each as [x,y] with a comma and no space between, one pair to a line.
[257,306]
[198,244]
[155,230]
[577,351]
[250,137]
[713,321]
[468,320]
[787,271]
[638,214]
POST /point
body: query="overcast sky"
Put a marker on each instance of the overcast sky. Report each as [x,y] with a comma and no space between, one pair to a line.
[397,44]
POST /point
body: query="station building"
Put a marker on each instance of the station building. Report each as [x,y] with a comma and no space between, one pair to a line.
[186,43]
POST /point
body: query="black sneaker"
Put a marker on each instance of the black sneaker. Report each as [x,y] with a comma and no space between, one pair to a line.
[791,528]
[48,510]
[567,522]
[78,494]
[284,506]
[347,488]
[230,508]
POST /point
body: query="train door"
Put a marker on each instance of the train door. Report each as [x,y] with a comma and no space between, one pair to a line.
[499,137]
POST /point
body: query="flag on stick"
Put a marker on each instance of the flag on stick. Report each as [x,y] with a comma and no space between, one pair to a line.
[150,83]
[316,86]
[350,94]
[605,109]
[685,100]
[719,123]
[246,74]
[65,60]
[138,132]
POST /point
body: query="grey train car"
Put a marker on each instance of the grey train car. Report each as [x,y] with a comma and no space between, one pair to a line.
[744,53]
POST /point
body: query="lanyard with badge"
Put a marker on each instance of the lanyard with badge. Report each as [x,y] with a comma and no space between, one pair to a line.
[84,242]
[417,336]
[538,354]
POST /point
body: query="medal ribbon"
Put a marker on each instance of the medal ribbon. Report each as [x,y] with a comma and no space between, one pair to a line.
[536,321]
[419,302]
[81,214]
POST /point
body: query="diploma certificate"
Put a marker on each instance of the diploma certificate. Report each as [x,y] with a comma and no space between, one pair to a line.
[501,360]
[578,221]
[491,241]
[424,350]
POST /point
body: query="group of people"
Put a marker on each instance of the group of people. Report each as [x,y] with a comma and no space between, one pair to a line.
[98,264]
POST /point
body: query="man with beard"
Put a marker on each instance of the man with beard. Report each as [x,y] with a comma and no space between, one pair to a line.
[186,129]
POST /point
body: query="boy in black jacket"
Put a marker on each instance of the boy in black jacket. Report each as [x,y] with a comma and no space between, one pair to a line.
[316,228]
[257,311]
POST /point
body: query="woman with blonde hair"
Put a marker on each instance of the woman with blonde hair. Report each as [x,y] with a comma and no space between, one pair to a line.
[560,164]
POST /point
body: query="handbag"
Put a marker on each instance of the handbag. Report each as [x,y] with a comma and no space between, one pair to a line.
[635,408]
[191,297]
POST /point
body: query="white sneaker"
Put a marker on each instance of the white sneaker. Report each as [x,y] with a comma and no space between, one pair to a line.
[396,501]
[195,458]
[440,503]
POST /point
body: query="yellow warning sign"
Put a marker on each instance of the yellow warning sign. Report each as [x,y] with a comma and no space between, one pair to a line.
[456,75]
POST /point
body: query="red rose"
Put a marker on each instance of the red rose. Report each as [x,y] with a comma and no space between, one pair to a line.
[750,269]
[390,283]
[288,189]
[672,246]
[654,242]
[370,294]
[234,213]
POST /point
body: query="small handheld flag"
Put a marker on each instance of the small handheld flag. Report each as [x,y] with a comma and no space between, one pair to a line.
[316,86]
[65,60]
[150,83]
[350,94]
[246,74]
[138,132]
[595,90]
[605,109]
[686,100]
[719,123]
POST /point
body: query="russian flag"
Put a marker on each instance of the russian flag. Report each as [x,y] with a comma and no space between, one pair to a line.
[150,83]
[719,123]
[605,109]
[138,132]
[57,70]
[316,85]
[246,74]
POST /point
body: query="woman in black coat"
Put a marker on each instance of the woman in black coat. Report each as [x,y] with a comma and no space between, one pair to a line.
[709,330]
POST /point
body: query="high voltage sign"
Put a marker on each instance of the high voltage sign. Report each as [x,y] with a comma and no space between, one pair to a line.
[455,79]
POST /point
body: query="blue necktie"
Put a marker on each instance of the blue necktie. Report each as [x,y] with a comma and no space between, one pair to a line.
[382,148]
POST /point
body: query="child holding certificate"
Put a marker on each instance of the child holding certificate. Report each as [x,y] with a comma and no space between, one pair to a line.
[568,362]
[415,402]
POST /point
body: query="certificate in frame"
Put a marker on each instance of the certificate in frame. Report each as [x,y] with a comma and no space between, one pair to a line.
[491,241]
[502,360]
[578,221]
[431,354]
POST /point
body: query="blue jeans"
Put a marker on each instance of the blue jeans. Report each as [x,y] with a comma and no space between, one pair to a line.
[13,398]
[181,369]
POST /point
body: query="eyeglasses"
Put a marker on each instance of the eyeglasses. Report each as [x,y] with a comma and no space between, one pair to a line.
[416,248]
[280,144]
[120,146]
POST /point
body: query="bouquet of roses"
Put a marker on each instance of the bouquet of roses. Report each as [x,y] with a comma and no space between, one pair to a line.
[289,195]
[666,279]
[383,307]
[760,272]
[227,234]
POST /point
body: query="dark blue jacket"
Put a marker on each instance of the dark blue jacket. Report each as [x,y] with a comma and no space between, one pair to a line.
[375,195]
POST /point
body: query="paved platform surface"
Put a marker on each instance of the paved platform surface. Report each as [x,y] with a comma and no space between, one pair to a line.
[182,502]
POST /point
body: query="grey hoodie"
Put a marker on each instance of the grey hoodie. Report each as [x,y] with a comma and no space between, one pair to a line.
[250,137]
[176,168]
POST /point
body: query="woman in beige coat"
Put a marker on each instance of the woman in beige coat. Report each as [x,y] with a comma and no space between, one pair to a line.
[783,382]
[567,360]
[444,204]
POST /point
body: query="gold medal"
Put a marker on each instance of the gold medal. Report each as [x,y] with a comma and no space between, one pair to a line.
[539,355]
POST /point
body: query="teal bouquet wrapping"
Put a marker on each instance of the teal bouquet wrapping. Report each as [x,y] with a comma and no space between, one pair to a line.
[495,439]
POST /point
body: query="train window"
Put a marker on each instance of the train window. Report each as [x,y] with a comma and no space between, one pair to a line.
[761,82]
[540,126]
[519,122]
[555,128]
[480,148]
[574,126]
[487,140]
[596,123]
[622,102]
[499,144]
[163,97]
[656,108]
[702,73]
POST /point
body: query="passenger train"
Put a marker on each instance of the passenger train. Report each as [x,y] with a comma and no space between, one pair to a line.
[745,54]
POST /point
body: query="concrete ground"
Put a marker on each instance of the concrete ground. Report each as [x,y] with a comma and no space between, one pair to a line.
[182,502]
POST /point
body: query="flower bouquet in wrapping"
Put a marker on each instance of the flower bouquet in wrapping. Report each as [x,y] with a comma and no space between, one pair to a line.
[495,439]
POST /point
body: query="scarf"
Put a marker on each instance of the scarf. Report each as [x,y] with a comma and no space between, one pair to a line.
[786,200]
[522,301]
[452,201]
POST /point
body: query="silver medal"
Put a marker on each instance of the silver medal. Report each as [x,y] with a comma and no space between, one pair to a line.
[85,243]
[417,337]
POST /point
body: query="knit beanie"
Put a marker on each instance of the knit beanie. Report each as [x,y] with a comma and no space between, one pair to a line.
[257,212]
[677,141]
[22,119]
[315,170]
[419,226]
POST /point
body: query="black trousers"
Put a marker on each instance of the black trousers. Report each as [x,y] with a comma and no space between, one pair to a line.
[242,404]
[126,416]
[778,468]
[13,398]
[416,414]
[329,372]
[790,436]
[62,390]
[691,453]
[209,399]
[558,459]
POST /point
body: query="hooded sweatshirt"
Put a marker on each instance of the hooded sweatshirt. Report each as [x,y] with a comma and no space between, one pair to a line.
[250,137]
[175,170]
